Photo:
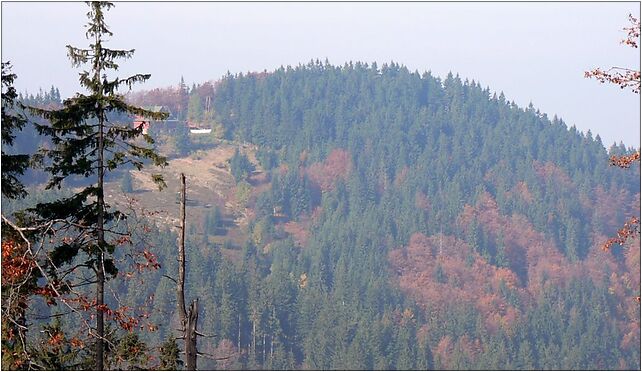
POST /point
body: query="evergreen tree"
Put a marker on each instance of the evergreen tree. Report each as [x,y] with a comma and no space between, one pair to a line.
[194,109]
[181,141]
[525,359]
[169,355]
[89,141]
[131,353]
[13,165]
[240,166]
[425,359]
[213,221]
[183,97]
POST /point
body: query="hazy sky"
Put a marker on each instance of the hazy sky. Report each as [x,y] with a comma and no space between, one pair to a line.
[534,52]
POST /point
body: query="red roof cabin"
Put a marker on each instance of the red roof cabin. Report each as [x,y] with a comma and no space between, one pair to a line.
[146,122]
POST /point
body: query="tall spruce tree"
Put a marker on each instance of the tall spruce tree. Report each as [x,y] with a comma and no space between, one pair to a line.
[92,136]
[13,165]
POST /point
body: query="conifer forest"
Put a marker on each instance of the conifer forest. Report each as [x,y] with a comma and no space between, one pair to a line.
[319,216]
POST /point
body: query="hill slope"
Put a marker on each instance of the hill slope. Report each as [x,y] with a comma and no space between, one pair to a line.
[414,223]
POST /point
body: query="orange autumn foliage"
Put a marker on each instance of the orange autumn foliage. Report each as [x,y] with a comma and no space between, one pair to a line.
[444,351]
[16,263]
[550,171]
[443,271]
[447,347]
[630,230]
[301,230]
[477,284]
[298,231]
[606,205]
[623,77]
[524,246]
[336,166]
[521,190]
[625,161]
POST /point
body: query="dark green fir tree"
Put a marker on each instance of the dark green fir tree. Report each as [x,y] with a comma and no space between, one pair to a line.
[92,136]
[13,165]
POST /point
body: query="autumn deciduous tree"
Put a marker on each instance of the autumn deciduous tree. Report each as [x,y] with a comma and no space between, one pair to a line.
[338,165]
[625,78]
[18,283]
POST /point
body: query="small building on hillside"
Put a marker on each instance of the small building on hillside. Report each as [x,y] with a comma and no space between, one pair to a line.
[146,122]
[197,128]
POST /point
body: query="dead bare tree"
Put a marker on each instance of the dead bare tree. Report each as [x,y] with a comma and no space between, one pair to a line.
[189,317]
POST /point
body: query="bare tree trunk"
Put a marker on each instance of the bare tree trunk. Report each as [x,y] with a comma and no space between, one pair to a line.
[189,318]
[254,333]
[191,353]
[100,319]
[182,312]
[272,337]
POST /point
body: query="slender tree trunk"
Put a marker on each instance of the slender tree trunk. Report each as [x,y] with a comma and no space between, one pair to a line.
[272,337]
[100,320]
[254,334]
[191,352]
[100,272]
[100,201]
[182,312]
[189,318]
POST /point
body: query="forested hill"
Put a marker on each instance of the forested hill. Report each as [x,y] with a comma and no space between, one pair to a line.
[394,220]
[447,227]
[449,140]
[402,116]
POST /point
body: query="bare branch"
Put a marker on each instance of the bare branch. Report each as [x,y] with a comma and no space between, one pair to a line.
[212,357]
[49,282]
[170,278]
[203,335]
